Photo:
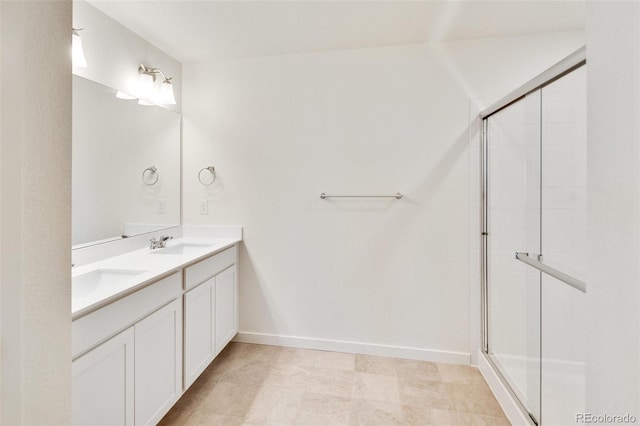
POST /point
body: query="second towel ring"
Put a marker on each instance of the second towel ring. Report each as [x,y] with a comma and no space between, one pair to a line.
[153,170]
[209,181]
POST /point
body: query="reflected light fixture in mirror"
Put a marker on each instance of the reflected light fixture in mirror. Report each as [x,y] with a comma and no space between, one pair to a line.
[147,93]
[77,53]
[124,95]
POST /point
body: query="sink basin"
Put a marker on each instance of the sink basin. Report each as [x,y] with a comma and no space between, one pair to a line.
[85,284]
[182,249]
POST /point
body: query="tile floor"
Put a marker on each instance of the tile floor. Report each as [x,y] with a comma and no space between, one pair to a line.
[270,385]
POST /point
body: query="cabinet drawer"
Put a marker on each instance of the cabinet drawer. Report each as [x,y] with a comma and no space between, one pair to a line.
[207,268]
[105,322]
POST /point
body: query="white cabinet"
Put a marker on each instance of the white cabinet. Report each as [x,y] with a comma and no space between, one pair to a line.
[198,330]
[226,312]
[158,363]
[173,329]
[210,311]
[210,321]
[135,376]
[102,384]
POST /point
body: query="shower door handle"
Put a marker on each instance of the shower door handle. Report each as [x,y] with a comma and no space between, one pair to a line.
[559,275]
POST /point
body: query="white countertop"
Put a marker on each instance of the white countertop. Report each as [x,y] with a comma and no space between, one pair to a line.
[149,265]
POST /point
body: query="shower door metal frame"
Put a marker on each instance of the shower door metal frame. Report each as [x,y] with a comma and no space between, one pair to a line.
[572,62]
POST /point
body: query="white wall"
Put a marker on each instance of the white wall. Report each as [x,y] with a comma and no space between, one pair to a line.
[35,227]
[114,52]
[281,130]
[613,164]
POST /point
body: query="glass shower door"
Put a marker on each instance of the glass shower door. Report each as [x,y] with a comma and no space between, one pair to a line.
[535,261]
[513,224]
[564,233]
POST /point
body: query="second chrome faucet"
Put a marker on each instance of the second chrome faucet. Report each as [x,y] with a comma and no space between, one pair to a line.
[161,242]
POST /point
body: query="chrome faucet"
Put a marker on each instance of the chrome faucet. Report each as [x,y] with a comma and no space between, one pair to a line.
[161,242]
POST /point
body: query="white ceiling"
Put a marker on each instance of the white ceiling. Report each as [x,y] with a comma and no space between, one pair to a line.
[192,31]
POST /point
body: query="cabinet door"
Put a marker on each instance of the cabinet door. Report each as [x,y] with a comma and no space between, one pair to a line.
[158,363]
[225,308]
[198,330]
[103,383]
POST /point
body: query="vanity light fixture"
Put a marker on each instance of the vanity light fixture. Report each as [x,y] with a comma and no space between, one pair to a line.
[146,85]
[77,54]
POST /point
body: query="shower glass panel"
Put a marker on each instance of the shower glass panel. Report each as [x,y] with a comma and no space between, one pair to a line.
[513,215]
[564,231]
[535,203]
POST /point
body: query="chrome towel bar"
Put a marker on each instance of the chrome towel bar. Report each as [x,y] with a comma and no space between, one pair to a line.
[397,196]
[567,279]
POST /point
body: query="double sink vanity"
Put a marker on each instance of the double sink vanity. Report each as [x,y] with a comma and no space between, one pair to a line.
[147,319]
[147,322]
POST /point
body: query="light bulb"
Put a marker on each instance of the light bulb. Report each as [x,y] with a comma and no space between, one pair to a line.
[146,89]
[77,54]
[166,93]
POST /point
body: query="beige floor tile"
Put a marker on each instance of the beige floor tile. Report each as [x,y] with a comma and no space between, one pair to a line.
[252,373]
[474,399]
[248,423]
[372,413]
[205,382]
[417,370]
[375,387]
[263,354]
[235,349]
[330,382]
[193,396]
[453,373]
[231,399]
[237,352]
[291,377]
[271,386]
[427,394]
[190,402]
[419,415]
[375,365]
[274,404]
[432,385]
[178,415]
[231,357]
[465,419]
[294,356]
[202,418]
[319,409]
[335,360]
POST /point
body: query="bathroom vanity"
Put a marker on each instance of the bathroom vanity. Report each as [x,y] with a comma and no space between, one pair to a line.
[146,319]
[146,324]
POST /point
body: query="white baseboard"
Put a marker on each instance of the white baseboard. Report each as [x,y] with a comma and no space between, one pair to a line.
[355,347]
[509,405]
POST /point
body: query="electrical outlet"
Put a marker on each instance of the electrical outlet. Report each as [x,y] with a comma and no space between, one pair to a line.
[161,206]
[204,206]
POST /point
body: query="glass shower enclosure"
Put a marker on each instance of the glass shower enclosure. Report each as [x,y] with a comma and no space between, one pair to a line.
[533,238]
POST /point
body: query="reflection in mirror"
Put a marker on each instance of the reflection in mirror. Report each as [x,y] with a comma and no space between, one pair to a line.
[126,166]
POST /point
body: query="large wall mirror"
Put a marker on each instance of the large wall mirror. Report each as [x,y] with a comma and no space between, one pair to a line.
[126,166]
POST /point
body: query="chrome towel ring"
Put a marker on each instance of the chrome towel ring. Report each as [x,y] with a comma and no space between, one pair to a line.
[151,171]
[211,179]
